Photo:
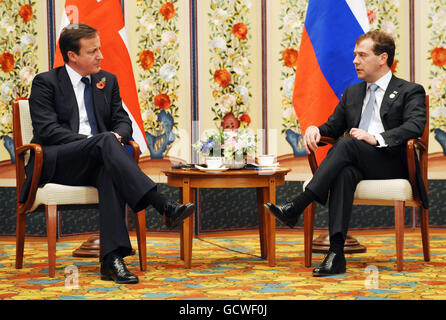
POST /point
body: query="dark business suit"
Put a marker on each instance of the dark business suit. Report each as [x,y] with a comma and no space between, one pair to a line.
[349,161]
[74,159]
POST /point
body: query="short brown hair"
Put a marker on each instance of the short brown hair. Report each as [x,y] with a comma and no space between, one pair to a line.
[70,37]
[383,42]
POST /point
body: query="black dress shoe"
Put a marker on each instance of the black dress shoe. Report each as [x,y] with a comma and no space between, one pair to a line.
[334,263]
[114,268]
[286,213]
[174,213]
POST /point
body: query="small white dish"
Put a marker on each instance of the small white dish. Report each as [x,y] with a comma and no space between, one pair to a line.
[273,165]
[211,170]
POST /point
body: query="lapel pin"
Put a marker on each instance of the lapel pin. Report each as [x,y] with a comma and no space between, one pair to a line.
[393,94]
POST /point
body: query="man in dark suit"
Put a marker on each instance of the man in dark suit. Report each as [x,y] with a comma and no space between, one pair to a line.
[372,123]
[78,118]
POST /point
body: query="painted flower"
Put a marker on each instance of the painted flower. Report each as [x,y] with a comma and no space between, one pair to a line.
[6,89]
[147,22]
[439,112]
[168,37]
[167,10]
[389,28]
[27,40]
[289,57]
[289,114]
[439,19]
[222,77]
[439,56]
[149,116]
[226,103]
[291,21]
[27,75]
[240,65]
[245,118]
[6,25]
[162,101]
[26,12]
[218,44]
[167,72]
[439,86]
[243,92]
[7,61]
[240,30]
[147,59]
[371,15]
[218,16]
[288,86]
[146,87]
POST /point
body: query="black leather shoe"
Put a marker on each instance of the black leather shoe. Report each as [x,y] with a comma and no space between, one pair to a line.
[114,268]
[175,213]
[334,263]
[286,213]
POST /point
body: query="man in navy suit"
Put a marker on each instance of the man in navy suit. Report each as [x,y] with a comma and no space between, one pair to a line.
[78,118]
[372,123]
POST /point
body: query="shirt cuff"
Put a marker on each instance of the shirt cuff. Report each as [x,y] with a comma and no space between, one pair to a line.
[380,139]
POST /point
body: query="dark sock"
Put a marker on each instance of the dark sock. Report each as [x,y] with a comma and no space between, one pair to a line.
[157,200]
[337,242]
[304,199]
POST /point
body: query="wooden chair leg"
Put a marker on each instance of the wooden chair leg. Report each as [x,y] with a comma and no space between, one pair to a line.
[399,233]
[424,222]
[20,240]
[261,213]
[308,232]
[51,233]
[140,225]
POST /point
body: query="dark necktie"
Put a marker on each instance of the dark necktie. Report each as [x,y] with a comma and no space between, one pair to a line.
[368,111]
[89,106]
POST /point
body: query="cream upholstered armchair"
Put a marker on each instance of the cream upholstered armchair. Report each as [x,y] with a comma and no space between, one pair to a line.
[53,195]
[398,193]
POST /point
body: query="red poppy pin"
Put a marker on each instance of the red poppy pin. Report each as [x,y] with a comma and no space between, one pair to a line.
[101,84]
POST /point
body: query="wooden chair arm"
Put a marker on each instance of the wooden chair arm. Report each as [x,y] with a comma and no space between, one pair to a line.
[20,173]
[312,157]
[411,147]
[136,150]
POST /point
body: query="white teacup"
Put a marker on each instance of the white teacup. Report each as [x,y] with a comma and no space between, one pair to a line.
[266,159]
[214,162]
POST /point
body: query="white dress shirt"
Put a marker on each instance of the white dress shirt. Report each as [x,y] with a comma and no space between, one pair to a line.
[79,87]
[376,126]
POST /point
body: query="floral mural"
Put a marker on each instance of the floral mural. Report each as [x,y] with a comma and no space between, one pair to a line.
[437,76]
[292,19]
[230,61]
[157,79]
[18,60]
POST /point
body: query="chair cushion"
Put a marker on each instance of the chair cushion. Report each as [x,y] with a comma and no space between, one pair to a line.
[58,194]
[390,189]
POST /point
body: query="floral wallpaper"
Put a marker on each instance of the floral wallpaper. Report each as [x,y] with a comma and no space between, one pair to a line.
[292,18]
[230,63]
[157,79]
[437,60]
[18,58]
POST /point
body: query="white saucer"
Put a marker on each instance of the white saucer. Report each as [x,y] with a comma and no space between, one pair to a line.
[211,170]
[272,165]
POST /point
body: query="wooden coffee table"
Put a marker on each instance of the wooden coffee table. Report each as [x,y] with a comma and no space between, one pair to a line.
[265,181]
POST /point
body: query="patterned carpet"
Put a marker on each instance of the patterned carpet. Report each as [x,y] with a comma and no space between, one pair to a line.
[230,268]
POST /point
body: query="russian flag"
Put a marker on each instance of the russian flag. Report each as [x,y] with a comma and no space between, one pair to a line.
[325,62]
[106,16]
